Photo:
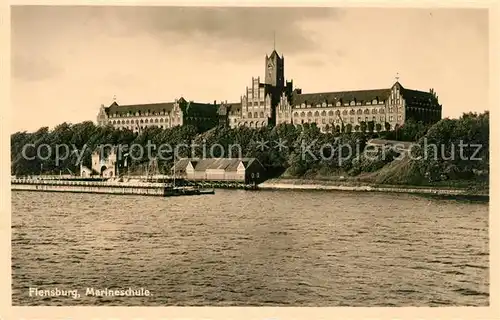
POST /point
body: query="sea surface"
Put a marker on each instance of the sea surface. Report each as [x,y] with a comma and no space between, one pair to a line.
[251,248]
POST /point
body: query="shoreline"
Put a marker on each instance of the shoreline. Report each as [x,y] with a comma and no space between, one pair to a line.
[300,184]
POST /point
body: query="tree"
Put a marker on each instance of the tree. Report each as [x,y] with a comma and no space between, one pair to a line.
[371,126]
[356,128]
[378,127]
[387,126]
[348,128]
[362,126]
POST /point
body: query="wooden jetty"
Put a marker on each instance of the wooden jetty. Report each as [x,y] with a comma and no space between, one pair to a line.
[107,187]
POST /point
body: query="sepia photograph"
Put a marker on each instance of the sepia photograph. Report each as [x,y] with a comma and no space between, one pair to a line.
[249,156]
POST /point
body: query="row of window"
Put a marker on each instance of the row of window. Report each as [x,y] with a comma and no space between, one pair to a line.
[256,115]
[160,120]
[251,124]
[345,112]
[339,104]
[139,113]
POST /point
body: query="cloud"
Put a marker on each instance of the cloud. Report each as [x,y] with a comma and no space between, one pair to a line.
[250,28]
[249,25]
[33,68]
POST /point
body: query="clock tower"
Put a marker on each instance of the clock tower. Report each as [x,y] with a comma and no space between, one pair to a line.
[275,70]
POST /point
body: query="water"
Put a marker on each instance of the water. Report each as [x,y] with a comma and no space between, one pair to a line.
[275,248]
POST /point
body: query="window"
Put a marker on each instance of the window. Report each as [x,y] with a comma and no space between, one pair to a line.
[316,114]
[359,119]
[262,114]
[353,103]
[391,110]
[323,114]
[368,103]
[255,114]
[323,120]
[351,120]
[391,118]
[302,114]
[330,113]
[338,104]
[250,115]
[296,114]
[309,114]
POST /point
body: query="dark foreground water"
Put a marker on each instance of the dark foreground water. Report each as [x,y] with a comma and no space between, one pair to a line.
[251,248]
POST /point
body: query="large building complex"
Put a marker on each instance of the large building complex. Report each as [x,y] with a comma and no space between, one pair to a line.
[275,101]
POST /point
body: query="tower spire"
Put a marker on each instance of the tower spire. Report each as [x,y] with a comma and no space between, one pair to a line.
[397,77]
[274,40]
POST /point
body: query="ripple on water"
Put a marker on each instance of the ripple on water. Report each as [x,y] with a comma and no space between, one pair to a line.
[252,248]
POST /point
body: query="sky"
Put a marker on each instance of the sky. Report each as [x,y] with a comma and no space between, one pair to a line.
[67,61]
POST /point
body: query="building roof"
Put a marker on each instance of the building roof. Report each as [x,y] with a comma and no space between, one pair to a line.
[346,96]
[411,96]
[236,106]
[415,96]
[152,107]
[192,108]
[227,164]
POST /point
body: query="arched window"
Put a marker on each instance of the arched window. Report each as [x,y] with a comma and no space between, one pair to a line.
[367,111]
[296,114]
[352,112]
[323,114]
[330,113]
[344,112]
[360,111]
[255,114]
[251,124]
[338,103]
[118,122]
[381,110]
[374,101]
[146,120]
[161,120]
[374,111]
[309,114]
[316,114]
[250,115]
[302,114]
[156,120]
[337,112]
[262,114]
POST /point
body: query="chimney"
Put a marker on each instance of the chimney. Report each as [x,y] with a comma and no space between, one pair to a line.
[215,102]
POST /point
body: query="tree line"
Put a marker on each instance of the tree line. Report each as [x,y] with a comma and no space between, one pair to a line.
[287,160]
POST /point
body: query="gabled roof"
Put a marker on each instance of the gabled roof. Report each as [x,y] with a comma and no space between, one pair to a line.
[227,164]
[345,96]
[152,107]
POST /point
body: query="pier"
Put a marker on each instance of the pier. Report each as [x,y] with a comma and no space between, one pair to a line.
[107,187]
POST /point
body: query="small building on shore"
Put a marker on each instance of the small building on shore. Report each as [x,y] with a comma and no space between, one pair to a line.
[243,170]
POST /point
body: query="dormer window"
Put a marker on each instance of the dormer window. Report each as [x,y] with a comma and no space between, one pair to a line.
[374,101]
[338,104]
[353,103]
